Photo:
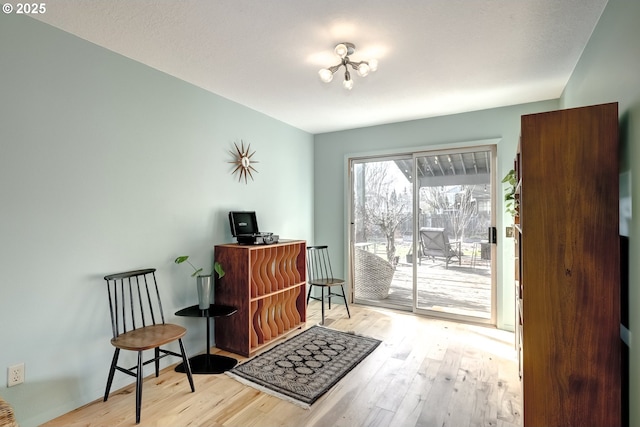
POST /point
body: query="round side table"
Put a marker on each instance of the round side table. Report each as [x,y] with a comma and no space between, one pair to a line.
[208,363]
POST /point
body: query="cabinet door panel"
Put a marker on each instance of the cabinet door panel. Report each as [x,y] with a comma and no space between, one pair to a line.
[570,267]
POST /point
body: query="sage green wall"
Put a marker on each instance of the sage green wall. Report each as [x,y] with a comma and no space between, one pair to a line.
[331,183]
[108,165]
[609,71]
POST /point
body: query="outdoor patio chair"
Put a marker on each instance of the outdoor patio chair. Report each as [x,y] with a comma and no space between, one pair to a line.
[373,275]
[434,242]
[7,416]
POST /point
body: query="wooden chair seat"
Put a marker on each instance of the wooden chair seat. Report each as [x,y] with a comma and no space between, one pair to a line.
[149,337]
[326,282]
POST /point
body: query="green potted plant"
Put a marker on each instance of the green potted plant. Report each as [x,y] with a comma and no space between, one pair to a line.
[510,200]
[203,281]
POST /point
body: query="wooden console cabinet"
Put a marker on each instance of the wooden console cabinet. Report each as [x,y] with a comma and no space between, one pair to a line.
[568,267]
[266,283]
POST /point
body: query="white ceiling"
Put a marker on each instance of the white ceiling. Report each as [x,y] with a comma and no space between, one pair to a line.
[436,57]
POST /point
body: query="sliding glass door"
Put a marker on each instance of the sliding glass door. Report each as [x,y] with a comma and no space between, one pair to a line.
[420,233]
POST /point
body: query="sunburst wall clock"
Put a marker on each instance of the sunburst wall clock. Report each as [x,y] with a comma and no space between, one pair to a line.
[243,161]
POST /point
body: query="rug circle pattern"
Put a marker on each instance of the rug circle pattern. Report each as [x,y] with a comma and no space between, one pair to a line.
[306,366]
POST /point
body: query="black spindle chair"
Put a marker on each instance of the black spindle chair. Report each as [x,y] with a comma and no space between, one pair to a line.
[321,275]
[137,321]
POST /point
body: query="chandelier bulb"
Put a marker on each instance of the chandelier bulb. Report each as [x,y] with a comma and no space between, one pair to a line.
[363,69]
[325,75]
[347,83]
[341,50]
[373,64]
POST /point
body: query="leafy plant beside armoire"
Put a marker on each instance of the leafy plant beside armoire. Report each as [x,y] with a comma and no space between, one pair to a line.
[510,200]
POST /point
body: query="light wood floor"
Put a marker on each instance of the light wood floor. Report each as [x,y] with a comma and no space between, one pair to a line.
[425,373]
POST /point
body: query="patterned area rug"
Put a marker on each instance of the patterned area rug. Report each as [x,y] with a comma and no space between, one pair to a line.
[305,367]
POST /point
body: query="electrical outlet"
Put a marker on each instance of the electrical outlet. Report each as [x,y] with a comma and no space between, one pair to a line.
[15,375]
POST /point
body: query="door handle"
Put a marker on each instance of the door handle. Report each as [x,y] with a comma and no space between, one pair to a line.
[493,235]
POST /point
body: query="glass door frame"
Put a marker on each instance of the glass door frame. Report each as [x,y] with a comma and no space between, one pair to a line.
[492,148]
[352,161]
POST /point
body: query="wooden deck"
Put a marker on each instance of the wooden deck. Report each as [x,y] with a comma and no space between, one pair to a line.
[459,289]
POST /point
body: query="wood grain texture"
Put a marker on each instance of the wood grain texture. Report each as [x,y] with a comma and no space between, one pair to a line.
[151,336]
[266,283]
[570,261]
[425,369]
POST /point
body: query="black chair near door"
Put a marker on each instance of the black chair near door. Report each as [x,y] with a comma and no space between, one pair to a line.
[321,275]
[138,324]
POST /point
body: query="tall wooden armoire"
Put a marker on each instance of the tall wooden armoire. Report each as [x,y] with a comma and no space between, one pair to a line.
[570,267]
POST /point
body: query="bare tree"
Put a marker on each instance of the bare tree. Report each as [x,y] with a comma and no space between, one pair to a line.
[384,206]
[456,208]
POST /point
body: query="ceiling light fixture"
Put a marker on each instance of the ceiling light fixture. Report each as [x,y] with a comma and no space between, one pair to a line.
[344,50]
